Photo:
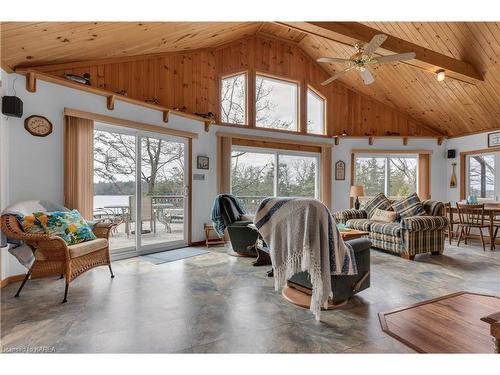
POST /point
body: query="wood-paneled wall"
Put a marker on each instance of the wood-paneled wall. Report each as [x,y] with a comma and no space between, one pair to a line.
[191,79]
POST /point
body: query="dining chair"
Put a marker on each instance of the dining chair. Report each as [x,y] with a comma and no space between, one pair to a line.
[496,225]
[471,216]
[448,212]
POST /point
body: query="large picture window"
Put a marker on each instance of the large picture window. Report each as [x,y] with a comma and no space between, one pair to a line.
[315,113]
[234,99]
[482,181]
[395,175]
[257,174]
[276,103]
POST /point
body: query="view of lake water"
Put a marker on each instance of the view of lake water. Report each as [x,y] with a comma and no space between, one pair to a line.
[101,201]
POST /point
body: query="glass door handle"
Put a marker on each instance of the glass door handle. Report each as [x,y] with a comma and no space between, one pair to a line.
[186,191]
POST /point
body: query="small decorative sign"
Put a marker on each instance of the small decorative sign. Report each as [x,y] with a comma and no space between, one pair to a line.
[340,170]
[494,139]
[203,162]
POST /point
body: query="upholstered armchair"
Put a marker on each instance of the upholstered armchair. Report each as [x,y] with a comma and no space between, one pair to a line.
[53,257]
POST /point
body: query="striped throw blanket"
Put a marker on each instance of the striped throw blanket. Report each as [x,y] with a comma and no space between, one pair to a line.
[302,236]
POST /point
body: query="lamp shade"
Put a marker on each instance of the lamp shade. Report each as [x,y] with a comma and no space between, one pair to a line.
[357,191]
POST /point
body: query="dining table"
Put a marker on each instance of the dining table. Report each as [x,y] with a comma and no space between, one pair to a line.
[491,211]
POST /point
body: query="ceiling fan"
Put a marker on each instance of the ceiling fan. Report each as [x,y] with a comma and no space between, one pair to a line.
[364,57]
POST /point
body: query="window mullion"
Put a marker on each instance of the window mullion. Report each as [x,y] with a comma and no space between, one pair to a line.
[276,171]
[387,175]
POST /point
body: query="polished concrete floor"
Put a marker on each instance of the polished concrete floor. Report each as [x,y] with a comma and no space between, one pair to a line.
[219,303]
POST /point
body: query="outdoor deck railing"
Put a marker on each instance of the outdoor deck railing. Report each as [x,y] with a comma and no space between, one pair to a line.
[250,202]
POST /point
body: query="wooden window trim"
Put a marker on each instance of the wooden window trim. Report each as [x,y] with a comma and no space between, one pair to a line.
[300,100]
[325,109]
[74,113]
[276,140]
[423,168]
[225,142]
[463,157]
[128,123]
[231,74]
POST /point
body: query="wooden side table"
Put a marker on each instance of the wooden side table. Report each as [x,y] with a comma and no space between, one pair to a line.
[494,321]
[351,234]
[212,241]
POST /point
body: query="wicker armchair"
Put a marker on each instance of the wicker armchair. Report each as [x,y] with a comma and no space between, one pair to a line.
[53,257]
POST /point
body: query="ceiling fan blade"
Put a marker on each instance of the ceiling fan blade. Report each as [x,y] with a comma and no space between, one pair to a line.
[335,76]
[376,41]
[334,60]
[367,76]
[396,57]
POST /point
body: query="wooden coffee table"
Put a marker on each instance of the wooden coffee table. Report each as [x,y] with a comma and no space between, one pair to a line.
[352,234]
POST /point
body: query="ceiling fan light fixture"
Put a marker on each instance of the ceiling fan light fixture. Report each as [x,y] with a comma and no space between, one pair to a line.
[440,75]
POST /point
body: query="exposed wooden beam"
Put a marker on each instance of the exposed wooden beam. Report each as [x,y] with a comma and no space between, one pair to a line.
[31,82]
[349,33]
[6,67]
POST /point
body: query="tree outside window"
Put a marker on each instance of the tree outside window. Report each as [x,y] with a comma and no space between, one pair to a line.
[481,176]
[253,176]
[276,103]
[234,99]
[395,176]
[315,113]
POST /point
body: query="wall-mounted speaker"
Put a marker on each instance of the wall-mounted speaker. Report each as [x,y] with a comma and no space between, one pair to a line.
[12,106]
[452,154]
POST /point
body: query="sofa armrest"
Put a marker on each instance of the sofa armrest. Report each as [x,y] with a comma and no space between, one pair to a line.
[433,208]
[421,223]
[342,216]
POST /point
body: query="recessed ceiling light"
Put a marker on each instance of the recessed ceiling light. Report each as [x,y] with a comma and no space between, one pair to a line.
[440,75]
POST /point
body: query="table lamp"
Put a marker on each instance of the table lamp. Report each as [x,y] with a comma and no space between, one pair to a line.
[357,191]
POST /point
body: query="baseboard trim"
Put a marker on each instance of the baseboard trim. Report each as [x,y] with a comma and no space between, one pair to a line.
[198,243]
[11,279]
[478,238]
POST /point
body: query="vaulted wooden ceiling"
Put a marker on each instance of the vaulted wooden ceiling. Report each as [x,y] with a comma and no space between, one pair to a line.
[453,107]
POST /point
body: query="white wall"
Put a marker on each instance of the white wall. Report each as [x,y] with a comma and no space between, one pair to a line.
[340,189]
[461,144]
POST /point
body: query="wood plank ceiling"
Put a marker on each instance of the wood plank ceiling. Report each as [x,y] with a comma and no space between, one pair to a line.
[453,107]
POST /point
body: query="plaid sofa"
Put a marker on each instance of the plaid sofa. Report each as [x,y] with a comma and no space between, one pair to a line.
[408,237]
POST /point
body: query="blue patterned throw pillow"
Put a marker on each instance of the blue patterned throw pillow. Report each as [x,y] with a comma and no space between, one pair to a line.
[31,223]
[379,201]
[409,206]
[69,225]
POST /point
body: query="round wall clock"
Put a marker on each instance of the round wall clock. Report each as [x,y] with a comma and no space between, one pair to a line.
[38,126]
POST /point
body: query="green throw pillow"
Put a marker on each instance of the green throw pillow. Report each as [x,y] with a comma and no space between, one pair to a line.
[69,225]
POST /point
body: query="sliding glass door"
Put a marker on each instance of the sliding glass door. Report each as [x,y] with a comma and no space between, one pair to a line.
[140,185]
[163,187]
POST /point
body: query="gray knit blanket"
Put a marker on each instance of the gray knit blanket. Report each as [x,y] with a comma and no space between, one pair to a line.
[302,236]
